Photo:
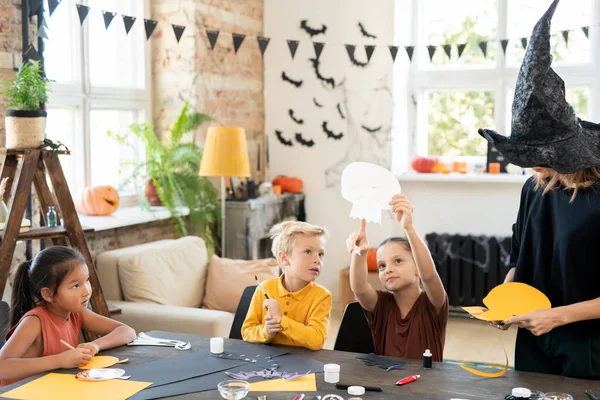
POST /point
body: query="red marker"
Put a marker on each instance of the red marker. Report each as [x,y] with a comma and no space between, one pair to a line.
[408,379]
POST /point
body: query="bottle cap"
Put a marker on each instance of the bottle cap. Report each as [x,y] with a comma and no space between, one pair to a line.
[427,353]
[356,390]
[522,393]
[331,368]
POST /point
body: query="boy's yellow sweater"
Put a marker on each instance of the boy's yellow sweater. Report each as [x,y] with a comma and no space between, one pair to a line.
[304,315]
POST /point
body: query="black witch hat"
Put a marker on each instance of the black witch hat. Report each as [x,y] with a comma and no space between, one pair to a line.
[545,130]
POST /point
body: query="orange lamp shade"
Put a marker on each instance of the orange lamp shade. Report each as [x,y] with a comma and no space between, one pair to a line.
[225,153]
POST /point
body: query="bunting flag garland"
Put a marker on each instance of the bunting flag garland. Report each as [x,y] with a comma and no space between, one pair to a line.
[82,11]
[409,51]
[586,31]
[393,52]
[504,43]
[52,4]
[369,49]
[34,6]
[293,46]
[263,42]
[32,54]
[565,35]
[461,48]
[238,39]
[212,37]
[483,47]
[42,33]
[108,17]
[318,46]
[350,50]
[128,22]
[431,49]
[149,26]
[524,43]
[44,23]
[178,30]
[447,49]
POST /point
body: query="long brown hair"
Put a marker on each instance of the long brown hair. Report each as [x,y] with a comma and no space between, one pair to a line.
[582,179]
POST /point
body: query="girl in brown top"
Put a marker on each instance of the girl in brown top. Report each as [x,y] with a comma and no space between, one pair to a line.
[407,317]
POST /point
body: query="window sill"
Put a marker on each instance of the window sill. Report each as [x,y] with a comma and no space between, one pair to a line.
[127,216]
[462,178]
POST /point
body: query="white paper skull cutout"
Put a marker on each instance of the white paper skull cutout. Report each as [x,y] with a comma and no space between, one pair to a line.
[369,188]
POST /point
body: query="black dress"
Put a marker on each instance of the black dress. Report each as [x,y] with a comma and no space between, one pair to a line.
[556,248]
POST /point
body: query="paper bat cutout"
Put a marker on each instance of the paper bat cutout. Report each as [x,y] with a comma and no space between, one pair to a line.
[364,31]
[339,108]
[317,103]
[312,31]
[388,364]
[267,363]
[286,78]
[282,140]
[330,133]
[353,59]
[304,142]
[371,130]
[299,121]
[328,81]
[267,374]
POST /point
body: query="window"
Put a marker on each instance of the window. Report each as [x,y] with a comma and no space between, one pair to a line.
[454,96]
[101,83]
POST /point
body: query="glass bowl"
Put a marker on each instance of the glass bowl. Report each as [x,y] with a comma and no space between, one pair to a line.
[558,396]
[233,389]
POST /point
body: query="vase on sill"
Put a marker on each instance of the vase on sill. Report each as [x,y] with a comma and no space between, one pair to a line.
[152,194]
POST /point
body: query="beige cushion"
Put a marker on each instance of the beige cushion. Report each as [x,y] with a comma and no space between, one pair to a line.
[170,273]
[227,279]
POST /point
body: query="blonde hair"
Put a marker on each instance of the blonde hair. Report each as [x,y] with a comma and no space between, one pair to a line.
[284,233]
[577,180]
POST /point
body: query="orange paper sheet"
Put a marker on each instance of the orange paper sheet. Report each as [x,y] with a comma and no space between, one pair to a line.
[66,387]
[489,374]
[509,299]
[101,362]
[307,383]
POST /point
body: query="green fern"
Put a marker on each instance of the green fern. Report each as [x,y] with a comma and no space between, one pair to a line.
[28,89]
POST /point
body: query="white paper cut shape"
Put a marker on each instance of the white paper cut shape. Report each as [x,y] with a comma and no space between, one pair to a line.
[369,188]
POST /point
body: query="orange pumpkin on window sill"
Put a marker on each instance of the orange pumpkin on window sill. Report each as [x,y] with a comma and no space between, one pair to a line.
[289,184]
[423,164]
[97,201]
[372,259]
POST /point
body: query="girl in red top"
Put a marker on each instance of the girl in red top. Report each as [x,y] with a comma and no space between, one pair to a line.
[49,304]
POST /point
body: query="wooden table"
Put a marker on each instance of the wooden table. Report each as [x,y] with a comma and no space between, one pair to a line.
[443,381]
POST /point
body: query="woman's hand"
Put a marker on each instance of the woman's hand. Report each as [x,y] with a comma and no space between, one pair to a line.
[538,322]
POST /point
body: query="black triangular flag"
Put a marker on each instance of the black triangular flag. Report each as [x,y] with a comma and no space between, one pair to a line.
[34,6]
[461,48]
[31,54]
[42,33]
[212,37]
[483,47]
[108,17]
[586,31]
[504,43]
[178,29]
[431,50]
[128,21]
[149,26]
[52,4]
[524,43]
[83,12]
[565,35]
[238,39]
[44,23]
[447,49]
[369,49]
[293,46]
[409,51]
[263,42]
[350,49]
[318,46]
[393,52]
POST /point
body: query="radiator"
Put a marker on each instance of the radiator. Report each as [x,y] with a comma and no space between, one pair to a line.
[469,266]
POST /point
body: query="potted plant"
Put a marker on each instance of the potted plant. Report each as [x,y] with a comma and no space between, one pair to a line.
[25,120]
[172,168]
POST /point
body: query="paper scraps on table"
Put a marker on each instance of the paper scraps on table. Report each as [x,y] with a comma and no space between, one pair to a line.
[307,383]
[103,362]
[267,374]
[508,300]
[489,374]
[373,360]
[370,189]
[145,340]
[265,362]
[101,374]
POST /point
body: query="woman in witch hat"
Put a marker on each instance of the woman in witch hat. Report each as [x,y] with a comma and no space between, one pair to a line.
[556,239]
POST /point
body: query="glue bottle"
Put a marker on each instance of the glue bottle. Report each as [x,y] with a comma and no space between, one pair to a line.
[427,357]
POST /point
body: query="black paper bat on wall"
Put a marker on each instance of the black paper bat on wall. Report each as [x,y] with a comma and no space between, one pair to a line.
[312,31]
[317,103]
[371,130]
[304,142]
[299,121]
[329,81]
[339,108]
[330,133]
[350,48]
[286,78]
[282,140]
[364,32]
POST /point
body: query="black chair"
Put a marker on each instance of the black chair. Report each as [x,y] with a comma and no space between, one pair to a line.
[4,316]
[240,313]
[354,335]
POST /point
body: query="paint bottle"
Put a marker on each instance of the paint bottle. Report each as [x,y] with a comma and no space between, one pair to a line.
[332,373]
[427,358]
[216,345]
[51,217]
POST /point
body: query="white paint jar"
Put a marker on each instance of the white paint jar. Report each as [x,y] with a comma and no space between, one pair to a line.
[332,373]
[216,345]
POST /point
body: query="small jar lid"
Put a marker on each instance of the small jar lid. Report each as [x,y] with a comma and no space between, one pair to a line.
[521,393]
[216,340]
[331,368]
[356,390]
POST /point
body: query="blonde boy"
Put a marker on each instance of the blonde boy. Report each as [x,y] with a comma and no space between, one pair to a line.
[297,310]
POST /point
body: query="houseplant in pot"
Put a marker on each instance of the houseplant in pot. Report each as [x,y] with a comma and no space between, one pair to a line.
[25,120]
[172,168]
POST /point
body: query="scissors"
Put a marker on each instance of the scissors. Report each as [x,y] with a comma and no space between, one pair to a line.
[591,395]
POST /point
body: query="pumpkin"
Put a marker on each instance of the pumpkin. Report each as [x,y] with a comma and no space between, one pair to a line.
[372,259]
[288,184]
[98,200]
[423,164]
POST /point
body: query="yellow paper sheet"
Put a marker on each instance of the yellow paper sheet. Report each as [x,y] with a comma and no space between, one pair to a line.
[101,362]
[489,374]
[67,387]
[307,383]
[509,299]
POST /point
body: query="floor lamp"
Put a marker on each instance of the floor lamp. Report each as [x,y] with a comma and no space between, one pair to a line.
[225,154]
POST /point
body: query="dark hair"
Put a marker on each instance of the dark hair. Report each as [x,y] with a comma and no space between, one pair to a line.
[400,240]
[47,270]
